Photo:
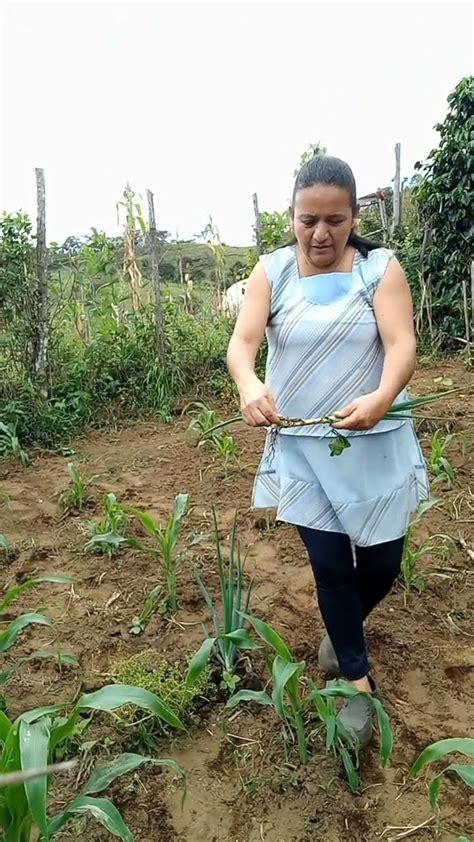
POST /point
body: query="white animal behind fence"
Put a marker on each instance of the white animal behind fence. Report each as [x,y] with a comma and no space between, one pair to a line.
[233,298]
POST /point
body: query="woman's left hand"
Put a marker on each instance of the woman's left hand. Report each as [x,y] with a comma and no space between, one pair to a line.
[363,413]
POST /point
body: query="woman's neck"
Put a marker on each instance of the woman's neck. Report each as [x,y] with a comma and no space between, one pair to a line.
[343,264]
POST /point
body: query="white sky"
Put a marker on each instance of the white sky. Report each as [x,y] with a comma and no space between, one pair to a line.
[204,103]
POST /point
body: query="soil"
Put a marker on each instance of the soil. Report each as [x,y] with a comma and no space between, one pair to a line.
[244,783]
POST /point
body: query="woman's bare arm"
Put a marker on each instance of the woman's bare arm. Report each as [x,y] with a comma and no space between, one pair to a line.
[257,403]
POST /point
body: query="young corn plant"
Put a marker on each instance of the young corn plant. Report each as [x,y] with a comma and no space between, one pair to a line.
[286,698]
[204,419]
[140,622]
[164,547]
[30,742]
[11,630]
[441,467]
[76,497]
[410,576]
[339,739]
[108,534]
[292,704]
[235,599]
[228,449]
[292,701]
[439,750]
[10,444]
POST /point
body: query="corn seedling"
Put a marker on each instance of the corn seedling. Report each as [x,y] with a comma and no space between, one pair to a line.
[164,547]
[30,742]
[204,420]
[4,543]
[227,448]
[10,444]
[339,739]
[108,534]
[410,576]
[286,698]
[292,704]
[76,496]
[235,600]
[140,622]
[11,630]
[441,467]
[439,750]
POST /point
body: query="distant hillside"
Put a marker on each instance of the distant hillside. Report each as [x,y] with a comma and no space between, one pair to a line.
[196,259]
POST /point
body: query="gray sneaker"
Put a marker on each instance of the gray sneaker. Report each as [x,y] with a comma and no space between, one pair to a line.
[327,658]
[357,715]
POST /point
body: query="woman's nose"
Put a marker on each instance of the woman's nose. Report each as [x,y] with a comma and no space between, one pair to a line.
[320,232]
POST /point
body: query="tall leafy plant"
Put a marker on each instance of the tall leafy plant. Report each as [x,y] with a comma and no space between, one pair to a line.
[445,196]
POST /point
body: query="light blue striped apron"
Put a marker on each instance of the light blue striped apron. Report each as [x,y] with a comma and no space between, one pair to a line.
[324,350]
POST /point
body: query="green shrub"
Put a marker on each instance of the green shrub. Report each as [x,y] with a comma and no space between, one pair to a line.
[117,374]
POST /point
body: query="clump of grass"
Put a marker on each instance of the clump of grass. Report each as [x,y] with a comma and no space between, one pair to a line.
[167,680]
[235,598]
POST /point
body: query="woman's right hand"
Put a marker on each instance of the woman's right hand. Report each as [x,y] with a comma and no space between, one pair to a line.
[258,405]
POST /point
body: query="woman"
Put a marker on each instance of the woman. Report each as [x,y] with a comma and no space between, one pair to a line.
[337,312]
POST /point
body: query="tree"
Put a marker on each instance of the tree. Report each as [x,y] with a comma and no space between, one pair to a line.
[18,292]
[445,198]
[313,150]
[276,229]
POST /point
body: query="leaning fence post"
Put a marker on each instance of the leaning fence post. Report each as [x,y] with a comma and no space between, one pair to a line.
[40,362]
[258,225]
[155,277]
[396,212]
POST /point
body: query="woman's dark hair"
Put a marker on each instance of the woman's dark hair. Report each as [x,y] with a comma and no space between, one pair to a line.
[324,169]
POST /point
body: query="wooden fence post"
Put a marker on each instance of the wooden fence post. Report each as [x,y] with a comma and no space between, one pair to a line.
[40,363]
[258,225]
[155,277]
[397,205]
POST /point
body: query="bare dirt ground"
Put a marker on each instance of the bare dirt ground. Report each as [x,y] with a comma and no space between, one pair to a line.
[243,787]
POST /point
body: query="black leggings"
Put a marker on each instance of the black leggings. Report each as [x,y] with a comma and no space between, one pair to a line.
[348,589]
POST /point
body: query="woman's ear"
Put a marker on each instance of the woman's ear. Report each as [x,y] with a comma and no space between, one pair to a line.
[355,218]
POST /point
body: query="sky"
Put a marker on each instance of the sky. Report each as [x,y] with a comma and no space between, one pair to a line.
[206,103]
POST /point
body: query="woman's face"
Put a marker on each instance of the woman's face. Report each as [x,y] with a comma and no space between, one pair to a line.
[322,222]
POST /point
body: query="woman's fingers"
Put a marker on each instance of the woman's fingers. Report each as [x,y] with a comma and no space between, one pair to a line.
[270,411]
[345,411]
[261,413]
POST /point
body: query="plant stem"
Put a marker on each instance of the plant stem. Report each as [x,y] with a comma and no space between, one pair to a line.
[301,736]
